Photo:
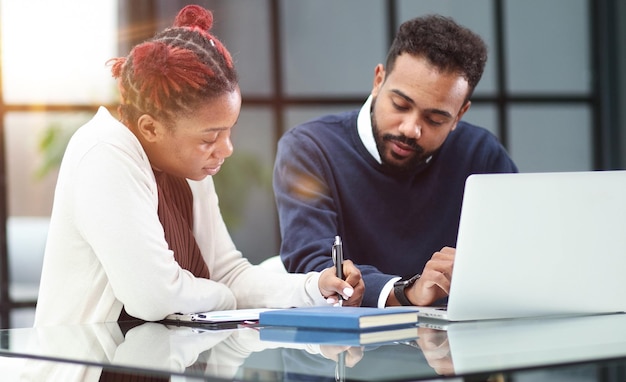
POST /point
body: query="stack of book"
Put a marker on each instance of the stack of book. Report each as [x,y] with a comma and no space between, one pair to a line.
[352,326]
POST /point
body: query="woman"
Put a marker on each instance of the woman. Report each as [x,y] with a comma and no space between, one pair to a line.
[135,229]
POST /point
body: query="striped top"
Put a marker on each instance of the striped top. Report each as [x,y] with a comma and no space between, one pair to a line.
[176,215]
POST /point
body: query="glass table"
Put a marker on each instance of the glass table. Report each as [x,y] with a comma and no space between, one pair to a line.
[559,348]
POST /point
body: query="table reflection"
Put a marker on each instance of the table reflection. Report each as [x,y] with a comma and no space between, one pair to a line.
[156,351]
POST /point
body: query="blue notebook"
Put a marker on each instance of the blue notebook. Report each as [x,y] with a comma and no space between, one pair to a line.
[344,318]
[337,337]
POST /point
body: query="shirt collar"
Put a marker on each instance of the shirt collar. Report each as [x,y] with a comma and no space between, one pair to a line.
[364,128]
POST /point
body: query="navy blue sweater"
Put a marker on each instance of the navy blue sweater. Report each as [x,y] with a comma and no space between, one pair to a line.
[326,183]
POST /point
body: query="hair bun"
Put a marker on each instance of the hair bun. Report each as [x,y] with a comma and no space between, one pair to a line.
[194,16]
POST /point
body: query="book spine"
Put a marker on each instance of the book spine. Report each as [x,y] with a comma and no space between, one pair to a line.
[336,322]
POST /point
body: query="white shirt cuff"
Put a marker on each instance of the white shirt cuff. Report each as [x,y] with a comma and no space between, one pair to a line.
[384,293]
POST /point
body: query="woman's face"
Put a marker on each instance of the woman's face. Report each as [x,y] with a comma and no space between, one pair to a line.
[196,145]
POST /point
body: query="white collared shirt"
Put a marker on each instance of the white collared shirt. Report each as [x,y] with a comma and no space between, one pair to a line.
[364,128]
[366,132]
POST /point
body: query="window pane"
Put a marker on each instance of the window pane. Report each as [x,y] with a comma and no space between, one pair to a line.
[551,138]
[477,15]
[244,186]
[548,46]
[55,51]
[332,47]
[30,192]
[244,27]
[483,115]
[297,115]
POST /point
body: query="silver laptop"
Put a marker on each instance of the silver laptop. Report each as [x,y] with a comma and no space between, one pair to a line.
[537,244]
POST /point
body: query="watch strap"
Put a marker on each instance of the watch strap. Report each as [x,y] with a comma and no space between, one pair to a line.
[399,288]
[398,291]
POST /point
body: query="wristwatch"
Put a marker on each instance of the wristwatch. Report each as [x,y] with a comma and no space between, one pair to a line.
[400,286]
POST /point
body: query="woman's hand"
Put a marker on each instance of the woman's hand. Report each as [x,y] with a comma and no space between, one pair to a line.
[351,289]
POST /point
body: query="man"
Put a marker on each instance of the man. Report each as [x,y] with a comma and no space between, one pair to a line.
[389,178]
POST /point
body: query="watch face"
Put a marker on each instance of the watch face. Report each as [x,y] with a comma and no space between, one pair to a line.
[407,283]
[413,279]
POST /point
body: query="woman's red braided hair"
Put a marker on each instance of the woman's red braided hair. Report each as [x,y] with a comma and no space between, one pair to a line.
[194,16]
[175,70]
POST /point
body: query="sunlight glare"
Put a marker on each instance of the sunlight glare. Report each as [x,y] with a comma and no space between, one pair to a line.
[54,51]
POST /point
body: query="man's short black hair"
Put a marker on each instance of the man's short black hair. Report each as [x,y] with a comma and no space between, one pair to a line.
[444,43]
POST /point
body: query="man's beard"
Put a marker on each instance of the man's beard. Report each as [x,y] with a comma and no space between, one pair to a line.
[402,163]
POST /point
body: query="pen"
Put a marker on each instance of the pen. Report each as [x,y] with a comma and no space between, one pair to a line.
[340,368]
[337,253]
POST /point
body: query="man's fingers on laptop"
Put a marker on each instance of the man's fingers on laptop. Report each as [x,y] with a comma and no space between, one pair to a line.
[438,280]
[432,286]
[439,265]
[446,253]
[448,250]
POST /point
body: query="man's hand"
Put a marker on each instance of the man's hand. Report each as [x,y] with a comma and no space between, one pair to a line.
[435,281]
[436,348]
[351,289]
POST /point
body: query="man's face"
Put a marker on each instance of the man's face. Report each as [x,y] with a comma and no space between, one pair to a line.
[414,108]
